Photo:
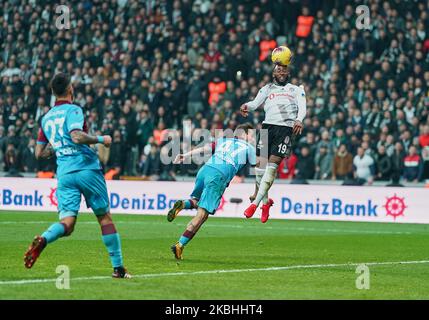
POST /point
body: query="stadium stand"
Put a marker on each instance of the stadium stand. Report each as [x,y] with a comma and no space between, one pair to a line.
[142,68]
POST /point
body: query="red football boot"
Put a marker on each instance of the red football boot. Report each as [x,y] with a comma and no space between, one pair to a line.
[250,211]
[34,251]
[266,210]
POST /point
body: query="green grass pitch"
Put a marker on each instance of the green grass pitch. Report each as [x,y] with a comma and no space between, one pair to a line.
[228,259]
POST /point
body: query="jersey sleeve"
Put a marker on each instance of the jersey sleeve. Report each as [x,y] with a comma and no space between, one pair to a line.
[41,138]
[75,119]
[259,100]
[302,104]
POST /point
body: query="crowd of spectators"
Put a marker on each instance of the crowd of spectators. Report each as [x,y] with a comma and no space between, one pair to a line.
[140,68]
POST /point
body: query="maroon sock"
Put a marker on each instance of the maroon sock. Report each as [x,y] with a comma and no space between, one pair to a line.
[108,229]
[186,237]
[188,234]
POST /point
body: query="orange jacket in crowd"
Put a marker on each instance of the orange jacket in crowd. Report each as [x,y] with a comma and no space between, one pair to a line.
[45,174]
[112,174]
[215,89]
[303,28]
[265,48]
[159,135]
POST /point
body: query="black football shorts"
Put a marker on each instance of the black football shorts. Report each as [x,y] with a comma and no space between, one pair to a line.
[274,140]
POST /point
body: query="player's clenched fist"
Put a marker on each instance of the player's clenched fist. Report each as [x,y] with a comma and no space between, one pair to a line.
[297,127]
[244,110]
[107,141]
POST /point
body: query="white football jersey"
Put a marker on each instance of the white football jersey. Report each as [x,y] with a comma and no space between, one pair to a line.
[282,104]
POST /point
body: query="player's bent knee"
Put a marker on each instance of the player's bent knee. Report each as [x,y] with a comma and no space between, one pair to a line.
[261,162]
[68,224]
[101,211]
[105,218]
[275,159]
[68,228]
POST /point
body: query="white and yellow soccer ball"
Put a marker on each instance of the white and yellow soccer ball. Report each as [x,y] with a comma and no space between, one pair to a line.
[281,55]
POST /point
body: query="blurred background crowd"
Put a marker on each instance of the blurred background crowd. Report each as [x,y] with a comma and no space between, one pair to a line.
[141,68]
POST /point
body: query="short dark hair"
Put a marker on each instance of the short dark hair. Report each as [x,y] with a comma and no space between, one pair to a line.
[245,126]
[60,83]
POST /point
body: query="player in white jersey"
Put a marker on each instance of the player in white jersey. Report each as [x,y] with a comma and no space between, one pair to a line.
[285,108]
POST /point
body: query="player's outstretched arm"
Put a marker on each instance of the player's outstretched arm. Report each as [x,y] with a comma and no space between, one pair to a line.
[43,151]
[254,104]
[80,137]
[182,156]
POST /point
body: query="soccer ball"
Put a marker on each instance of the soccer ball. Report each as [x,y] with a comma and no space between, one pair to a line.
[281,55]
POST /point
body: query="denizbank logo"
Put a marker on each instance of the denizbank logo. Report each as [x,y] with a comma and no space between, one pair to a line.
[394,207]
[334,207]
[143,202]
[28,199]
[39,199]
[376,205]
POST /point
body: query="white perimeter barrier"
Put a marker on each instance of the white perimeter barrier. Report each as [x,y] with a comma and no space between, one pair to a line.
[298,202]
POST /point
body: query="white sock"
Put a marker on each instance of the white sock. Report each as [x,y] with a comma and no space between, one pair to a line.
[266,182]
[259,174]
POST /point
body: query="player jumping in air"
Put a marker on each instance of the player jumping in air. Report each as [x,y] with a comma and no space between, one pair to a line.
[285,108]
[229,156]
[79,172]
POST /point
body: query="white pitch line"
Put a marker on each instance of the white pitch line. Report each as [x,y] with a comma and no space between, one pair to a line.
[232,226]
[308,229]
[174,274]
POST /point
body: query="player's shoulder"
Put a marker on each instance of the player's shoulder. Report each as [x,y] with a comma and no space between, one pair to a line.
[294,86]
[245,142]
[71,106]
[269,86]
[72,109]
[266,87]
[52,112]
[297,90]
